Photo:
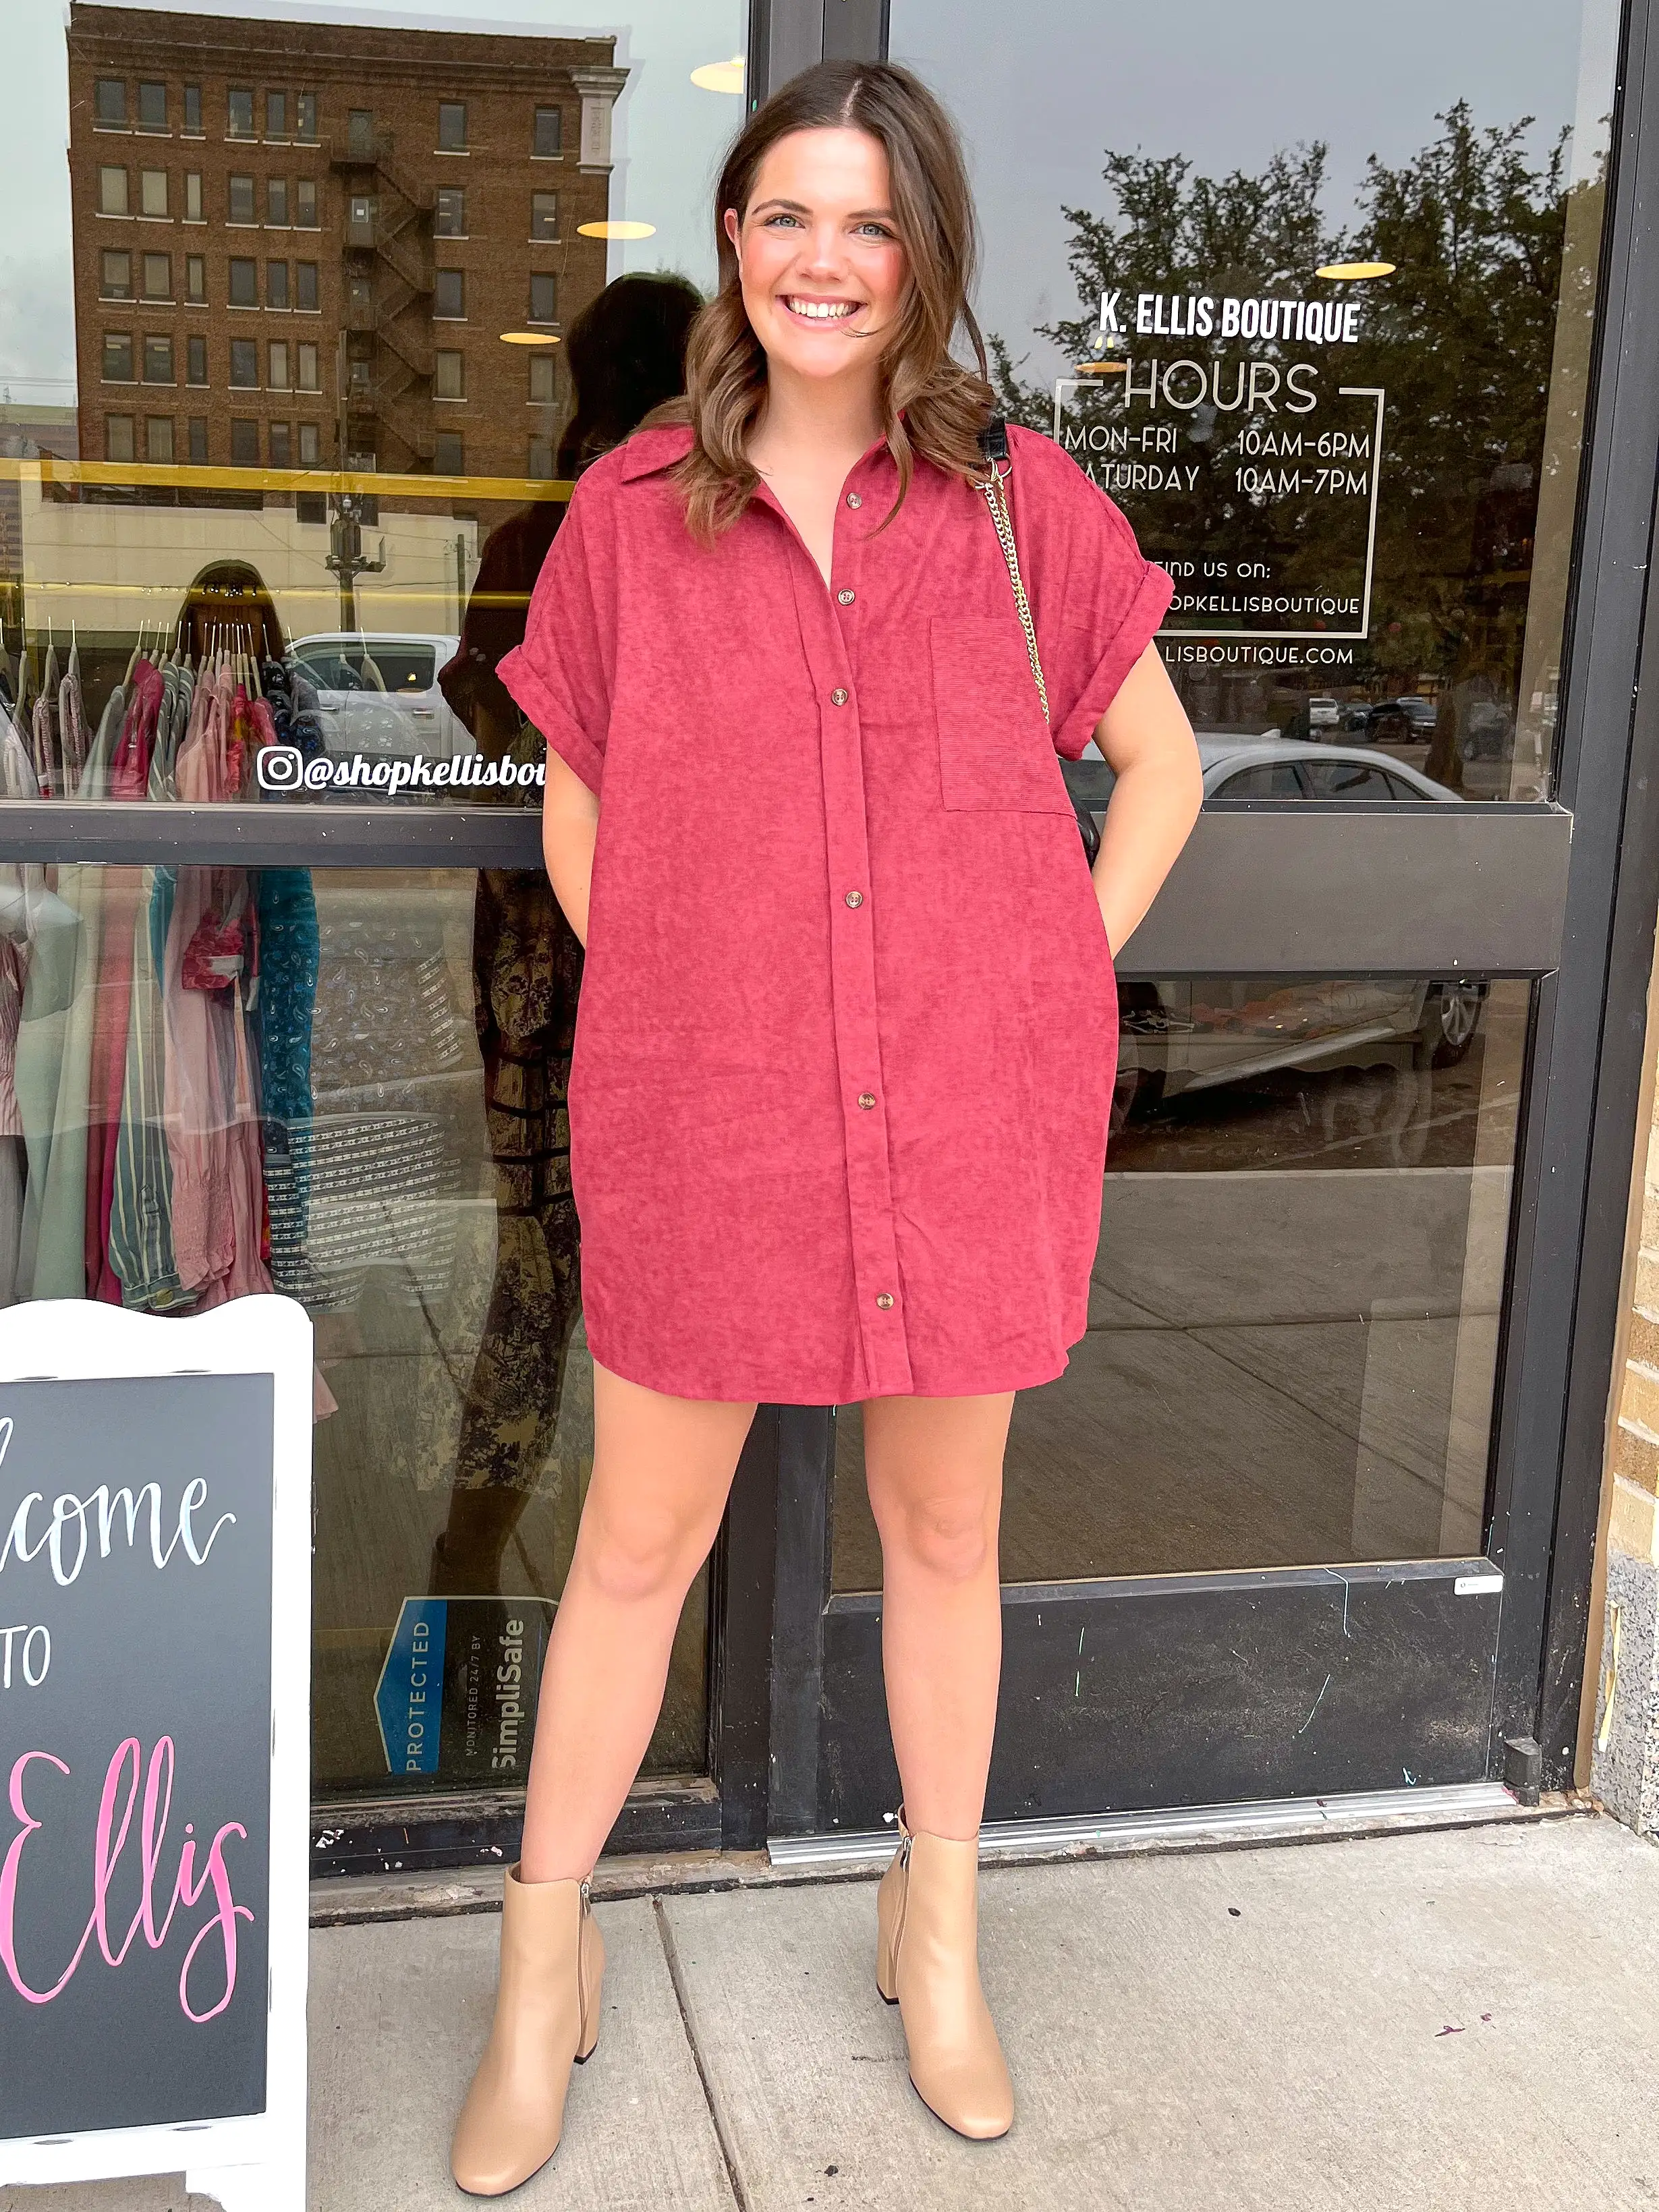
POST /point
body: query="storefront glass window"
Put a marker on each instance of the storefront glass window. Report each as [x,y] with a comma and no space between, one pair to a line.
[1293,1334]
[1313,303]
[365,408]
[349,1088]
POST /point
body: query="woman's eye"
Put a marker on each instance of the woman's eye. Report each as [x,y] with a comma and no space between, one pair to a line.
[876,230]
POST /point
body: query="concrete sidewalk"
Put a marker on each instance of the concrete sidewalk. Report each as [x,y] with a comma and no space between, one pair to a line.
[1439,2022]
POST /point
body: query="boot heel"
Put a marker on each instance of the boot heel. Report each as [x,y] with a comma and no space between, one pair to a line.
[590,1975]
[890,1923]
[886,1970]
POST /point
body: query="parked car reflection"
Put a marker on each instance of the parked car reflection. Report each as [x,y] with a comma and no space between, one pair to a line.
[1182,1037]
[1272,767]
[378,695]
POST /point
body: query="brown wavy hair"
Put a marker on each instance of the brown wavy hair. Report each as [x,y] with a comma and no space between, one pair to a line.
[933,408]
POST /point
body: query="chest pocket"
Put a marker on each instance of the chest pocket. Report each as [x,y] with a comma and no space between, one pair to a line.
[994,749]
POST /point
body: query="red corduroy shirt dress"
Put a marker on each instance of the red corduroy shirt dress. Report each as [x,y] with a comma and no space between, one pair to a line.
[845,1052]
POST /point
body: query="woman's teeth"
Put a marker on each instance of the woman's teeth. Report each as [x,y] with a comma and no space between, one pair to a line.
[823,311]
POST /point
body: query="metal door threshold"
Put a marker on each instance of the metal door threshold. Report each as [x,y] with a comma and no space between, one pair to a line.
[1368,1811]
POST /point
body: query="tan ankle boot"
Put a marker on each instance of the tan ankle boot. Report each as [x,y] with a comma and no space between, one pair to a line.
[547,2015]
[927,1964]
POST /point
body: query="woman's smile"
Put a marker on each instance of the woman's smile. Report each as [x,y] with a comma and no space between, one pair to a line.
[808,309]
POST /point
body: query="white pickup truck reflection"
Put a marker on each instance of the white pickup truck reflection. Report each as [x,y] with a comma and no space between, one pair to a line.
[377,694]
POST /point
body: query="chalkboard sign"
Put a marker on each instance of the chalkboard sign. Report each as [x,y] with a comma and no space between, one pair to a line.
[155,1634]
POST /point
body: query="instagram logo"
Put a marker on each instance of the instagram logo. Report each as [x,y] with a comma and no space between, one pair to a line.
[279,768]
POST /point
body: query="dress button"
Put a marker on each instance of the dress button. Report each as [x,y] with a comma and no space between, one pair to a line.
[838,696]
[885,1300]
[846,598]
[855,499]
[866,1099]
[855,899]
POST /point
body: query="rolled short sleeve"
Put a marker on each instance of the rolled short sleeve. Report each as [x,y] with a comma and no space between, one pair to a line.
[1096,600]
[560,675]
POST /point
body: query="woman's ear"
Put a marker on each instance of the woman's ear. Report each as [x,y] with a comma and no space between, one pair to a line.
[732,226]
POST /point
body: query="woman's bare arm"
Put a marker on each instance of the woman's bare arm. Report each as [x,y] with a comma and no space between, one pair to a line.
[570,821]
[1148,739]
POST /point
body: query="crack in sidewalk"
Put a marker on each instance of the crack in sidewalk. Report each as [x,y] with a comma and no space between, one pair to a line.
[665,1936]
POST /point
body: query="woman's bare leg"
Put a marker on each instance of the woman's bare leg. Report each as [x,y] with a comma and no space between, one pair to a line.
[935,1470]
[662,1467]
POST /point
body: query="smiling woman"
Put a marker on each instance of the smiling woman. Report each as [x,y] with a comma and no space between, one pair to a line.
[870,887]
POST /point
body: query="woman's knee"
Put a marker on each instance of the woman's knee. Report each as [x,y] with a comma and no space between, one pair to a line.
[647,1552]
[950,1537]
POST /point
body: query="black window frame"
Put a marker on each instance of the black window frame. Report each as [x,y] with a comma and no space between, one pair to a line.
[545,283]
[234,280]
[109,115]
[233,94]
[448,194]
[244,352]
[164,354]
[121,290]
[307,278]
[195,352]
[447,143]
[192,127]
[113,342]
[544,205]
[547,145]
[449,286]
[241,190]
[158,128]
[245,435]
[279,281]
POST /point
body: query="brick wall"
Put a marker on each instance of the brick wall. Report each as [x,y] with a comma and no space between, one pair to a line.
[373,151]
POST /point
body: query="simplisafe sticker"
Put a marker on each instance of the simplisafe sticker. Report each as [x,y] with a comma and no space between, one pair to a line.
[457,1695]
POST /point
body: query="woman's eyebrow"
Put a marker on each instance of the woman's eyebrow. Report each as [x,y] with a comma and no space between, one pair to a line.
[800,207]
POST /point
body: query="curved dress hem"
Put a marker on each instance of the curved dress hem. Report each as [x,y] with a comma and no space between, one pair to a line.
[848,1397]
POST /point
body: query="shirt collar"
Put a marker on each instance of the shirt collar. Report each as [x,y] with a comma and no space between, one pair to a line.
[649,452]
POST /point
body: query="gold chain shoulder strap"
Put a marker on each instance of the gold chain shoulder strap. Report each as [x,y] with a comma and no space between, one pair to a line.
[990,488]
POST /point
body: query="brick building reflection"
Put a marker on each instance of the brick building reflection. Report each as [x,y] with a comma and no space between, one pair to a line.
[298,244]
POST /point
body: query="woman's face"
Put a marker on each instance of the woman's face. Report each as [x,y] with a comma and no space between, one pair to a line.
[823,271]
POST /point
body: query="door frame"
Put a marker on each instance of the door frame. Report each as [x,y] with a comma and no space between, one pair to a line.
[1564,893]
[1577,915]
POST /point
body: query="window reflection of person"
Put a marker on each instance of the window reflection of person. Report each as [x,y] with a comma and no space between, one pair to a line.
[626,354]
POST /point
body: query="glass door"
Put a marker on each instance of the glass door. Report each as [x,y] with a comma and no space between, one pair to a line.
[1314,300]
[303,348]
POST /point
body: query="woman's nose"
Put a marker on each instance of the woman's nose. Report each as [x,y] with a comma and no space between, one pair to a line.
[823,251]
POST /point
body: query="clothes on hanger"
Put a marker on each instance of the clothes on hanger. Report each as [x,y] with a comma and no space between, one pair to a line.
[54,1058]
[73,738]
[122,899]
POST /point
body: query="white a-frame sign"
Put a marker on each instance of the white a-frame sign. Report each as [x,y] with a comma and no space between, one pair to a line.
[154,1762]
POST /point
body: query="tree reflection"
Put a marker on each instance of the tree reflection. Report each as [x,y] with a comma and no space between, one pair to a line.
[1480,337]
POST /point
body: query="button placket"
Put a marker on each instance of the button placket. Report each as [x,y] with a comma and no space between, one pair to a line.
[853,985]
